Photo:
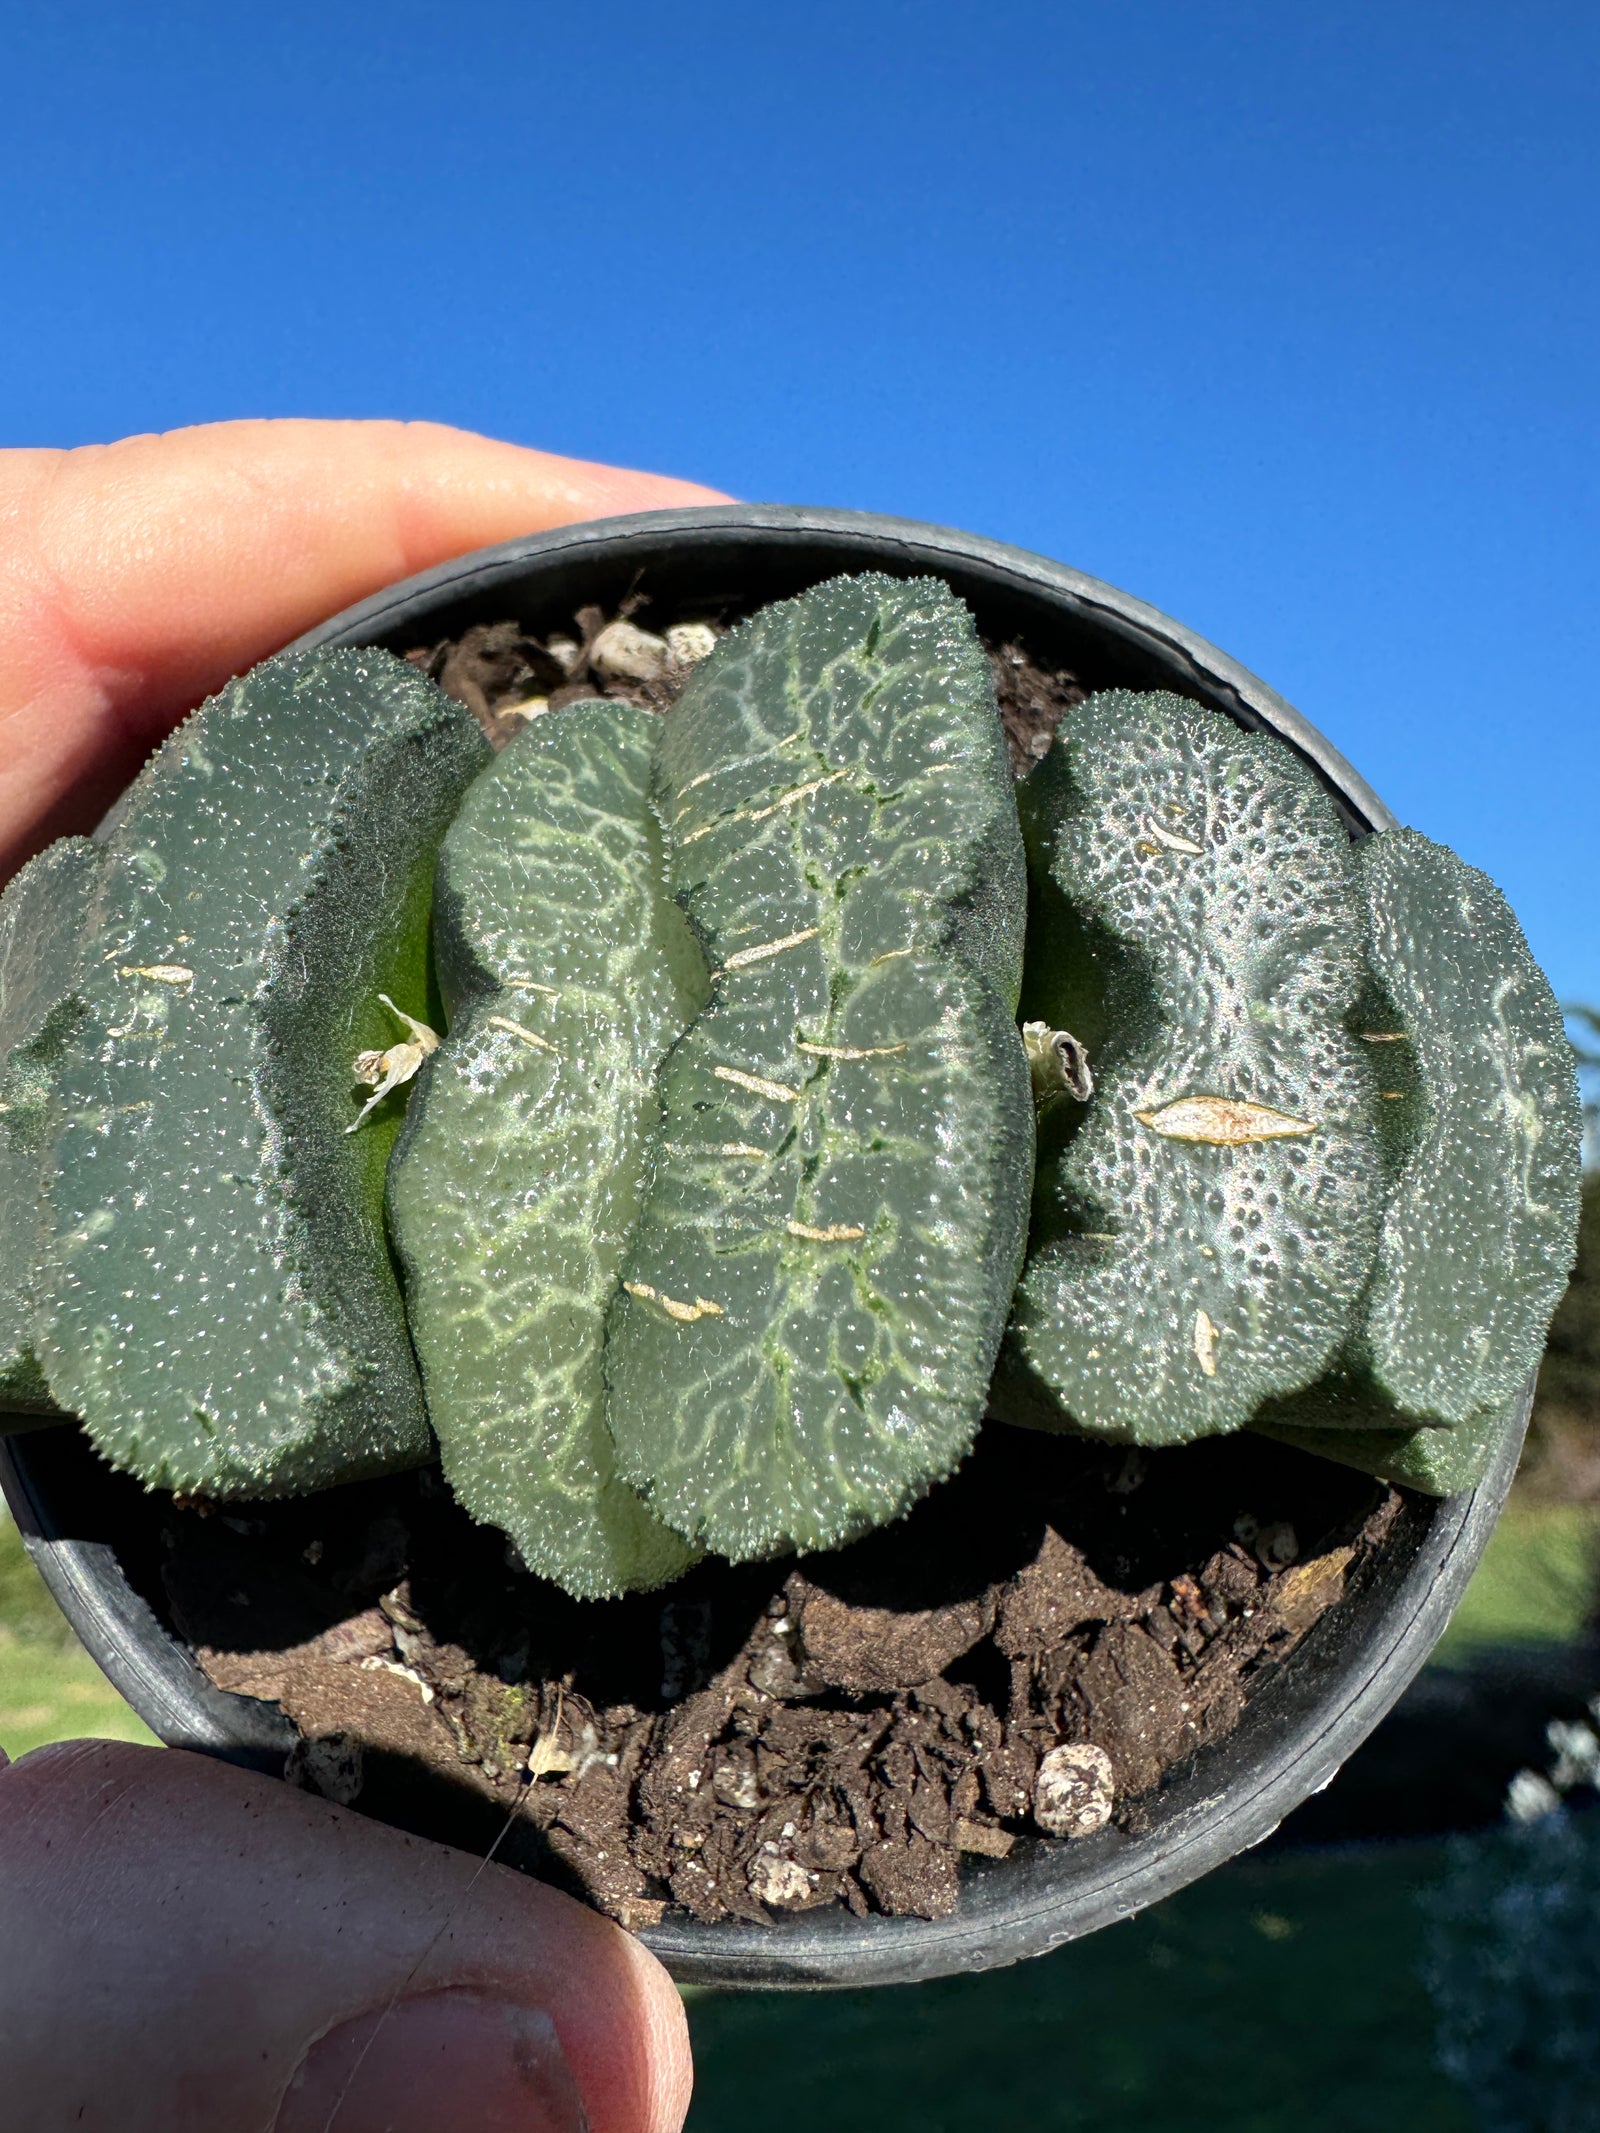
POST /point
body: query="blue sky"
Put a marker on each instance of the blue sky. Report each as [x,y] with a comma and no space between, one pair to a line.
[1283,317]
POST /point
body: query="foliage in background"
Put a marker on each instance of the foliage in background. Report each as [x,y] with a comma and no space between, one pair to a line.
[50,1689]
[26,1609]
[1510,1962]
[1284,1990]
[1563,1456]
[1587,1047]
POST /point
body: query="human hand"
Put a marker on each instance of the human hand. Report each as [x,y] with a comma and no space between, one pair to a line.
[184,1947]
[189,1948]
[136,577]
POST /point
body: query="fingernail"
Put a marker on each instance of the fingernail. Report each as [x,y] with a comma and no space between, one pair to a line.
[433,2062]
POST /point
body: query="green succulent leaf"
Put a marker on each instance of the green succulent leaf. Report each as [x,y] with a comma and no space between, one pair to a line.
[811,1306]
[1481,1225]
[219,1303]
[41,922]
[1341,1420]
[568,974]
[1202,1241]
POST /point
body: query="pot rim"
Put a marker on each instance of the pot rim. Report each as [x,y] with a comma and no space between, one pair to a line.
[1307,1716]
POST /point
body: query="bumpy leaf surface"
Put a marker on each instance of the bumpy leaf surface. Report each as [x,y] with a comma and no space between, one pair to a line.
[41,922]
[1481,1227]
[1438,1462]
[1202,1242]
[568,973]
[221,1308]
[811,1307]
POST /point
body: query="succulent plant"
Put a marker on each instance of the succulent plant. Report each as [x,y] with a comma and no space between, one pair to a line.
[1203,1241]
[712,1193]
[1343,1419]
[1385,1251]
[1485,1148]
[41,918]
[217,1299]
[812,1302]
[1477,1239]
[567,974]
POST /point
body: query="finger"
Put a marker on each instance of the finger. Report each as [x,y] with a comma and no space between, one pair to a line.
[135,578]
[186,1947]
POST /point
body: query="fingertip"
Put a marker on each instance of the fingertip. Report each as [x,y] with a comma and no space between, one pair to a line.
[200,1876]
[664,2026]
[138,576]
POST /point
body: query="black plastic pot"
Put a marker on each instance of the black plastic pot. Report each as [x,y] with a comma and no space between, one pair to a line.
[1307,1715]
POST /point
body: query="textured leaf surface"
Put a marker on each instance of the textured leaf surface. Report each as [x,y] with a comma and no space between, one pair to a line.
[568,974]
[222,1309]
[1203,1241]
[1481,1227]
[41,922]
[1439,1462]
[813,1301]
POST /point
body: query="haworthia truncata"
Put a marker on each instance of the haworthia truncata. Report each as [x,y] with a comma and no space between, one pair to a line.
[220,1306]
[810,1309]
[568,974]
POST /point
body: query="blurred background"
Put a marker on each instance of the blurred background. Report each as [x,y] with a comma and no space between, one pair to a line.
[1285,320]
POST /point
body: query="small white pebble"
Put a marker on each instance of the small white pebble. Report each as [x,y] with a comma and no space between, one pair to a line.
[1277,1545]
[624,652]
[1074,1791]
[564,652]
[775,1879]
[689,642]
[735,1787]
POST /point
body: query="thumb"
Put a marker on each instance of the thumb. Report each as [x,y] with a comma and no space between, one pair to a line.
[188,1947]
[136,577]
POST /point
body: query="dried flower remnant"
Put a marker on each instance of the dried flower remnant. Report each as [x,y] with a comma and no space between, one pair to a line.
[1058,1064]
[385,1071]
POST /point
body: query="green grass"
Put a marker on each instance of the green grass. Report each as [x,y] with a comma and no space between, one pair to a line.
[50,1689]
[49,1693]
[1535,1585]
